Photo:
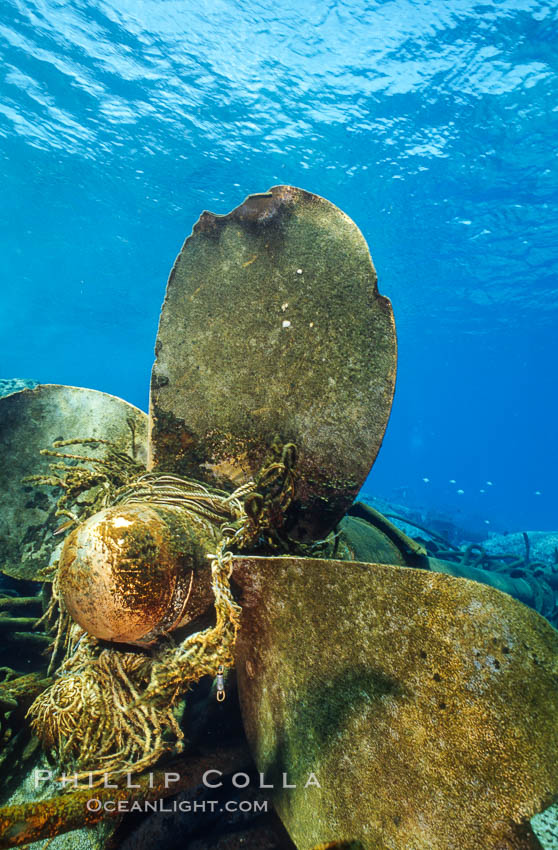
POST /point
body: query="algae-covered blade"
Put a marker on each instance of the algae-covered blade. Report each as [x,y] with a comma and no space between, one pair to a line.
[409,708]
[273,331]
[33,420]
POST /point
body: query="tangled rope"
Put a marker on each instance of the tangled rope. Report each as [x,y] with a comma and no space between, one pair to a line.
[113,710]
[90,483]
[91,727]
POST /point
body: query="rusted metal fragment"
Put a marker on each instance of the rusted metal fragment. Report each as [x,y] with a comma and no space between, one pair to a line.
[426,706]
[40,819]
[272,327]
[32,420]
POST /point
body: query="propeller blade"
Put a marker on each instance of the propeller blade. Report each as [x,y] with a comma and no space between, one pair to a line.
[272,327]
[32,420]
[424,705]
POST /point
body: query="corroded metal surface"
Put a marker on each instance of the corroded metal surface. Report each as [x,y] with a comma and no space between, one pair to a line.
[131,573]
[32,818]
[425,705]
[272,327]
[32,420]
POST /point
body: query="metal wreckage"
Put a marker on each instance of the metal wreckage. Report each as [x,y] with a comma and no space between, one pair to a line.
[220,532]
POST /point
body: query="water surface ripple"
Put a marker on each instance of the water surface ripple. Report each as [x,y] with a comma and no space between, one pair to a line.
[433,124]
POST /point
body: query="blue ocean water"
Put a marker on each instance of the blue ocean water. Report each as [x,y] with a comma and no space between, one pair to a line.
[432,124]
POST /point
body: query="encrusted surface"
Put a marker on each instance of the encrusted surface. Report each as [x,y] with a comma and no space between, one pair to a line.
[130,573]
[426,705]
[272,326]
[32,420]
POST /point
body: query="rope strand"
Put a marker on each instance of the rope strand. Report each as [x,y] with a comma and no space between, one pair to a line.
[112,710]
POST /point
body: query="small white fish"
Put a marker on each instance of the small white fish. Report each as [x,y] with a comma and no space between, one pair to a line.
[538,493]
[487,521]
[426,480]
[460,492]
[489,483]
[452,481]
[482,491]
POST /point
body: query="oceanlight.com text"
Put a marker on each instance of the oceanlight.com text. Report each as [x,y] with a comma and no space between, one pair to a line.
[171,806]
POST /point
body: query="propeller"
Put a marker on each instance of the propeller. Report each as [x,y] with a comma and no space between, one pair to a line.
[408,708]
